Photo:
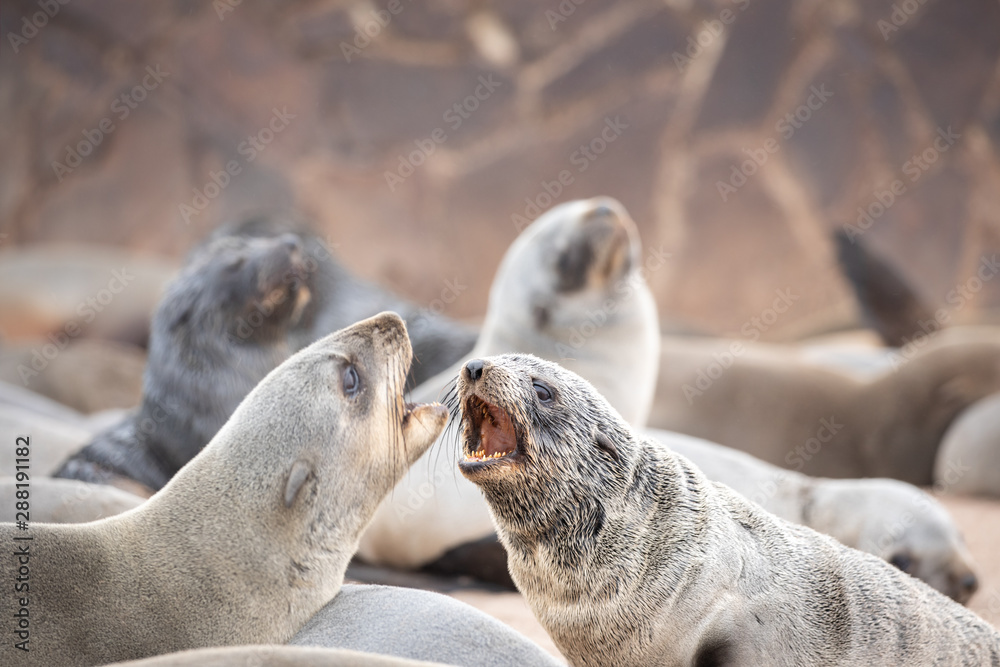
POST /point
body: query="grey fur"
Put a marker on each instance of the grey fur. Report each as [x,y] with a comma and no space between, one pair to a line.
[272,656]
[417,624]
[67,500]
[644,561]
[216,558]
[887,518]
[221,327]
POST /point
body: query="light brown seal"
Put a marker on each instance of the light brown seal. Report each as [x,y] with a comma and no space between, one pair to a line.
[252,537]
[765,400]
[629,555]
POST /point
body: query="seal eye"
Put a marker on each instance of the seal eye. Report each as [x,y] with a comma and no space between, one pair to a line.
[351,381]
[902,562]
[543,393]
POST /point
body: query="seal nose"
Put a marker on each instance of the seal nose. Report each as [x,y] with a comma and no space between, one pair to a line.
[601,211]
[474,370]
[969,584]
[290,242]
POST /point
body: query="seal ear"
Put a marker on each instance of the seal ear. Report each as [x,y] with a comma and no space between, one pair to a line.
[300,473]
[604,442]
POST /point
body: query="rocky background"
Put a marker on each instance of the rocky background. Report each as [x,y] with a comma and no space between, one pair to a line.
[420,136]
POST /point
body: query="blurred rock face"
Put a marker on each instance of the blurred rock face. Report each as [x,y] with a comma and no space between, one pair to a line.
[423,136]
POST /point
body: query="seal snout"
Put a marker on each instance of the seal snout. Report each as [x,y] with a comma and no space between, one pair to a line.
[473,370]
[967,586]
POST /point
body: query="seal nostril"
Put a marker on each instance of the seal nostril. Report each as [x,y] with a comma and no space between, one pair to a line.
[291,242]
[970,583]
[474,369]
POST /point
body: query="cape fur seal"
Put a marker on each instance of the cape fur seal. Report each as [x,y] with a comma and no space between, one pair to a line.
[273,656]
[251,538]
[419,625]
[570,288]
[221,327]
[887,518]
[341,298]
[763,399]
[968,460]
[629,555]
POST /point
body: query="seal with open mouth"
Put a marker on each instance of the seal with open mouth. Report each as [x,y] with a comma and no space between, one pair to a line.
[252,537]
[570,289]
[628,555]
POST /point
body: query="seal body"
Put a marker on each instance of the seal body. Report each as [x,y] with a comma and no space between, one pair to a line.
[273,656]
[570,288]
[629,555]
[419,625]
[67,500]
[887,518]
[968,460]
[222,325]
[252,537]
[763,399]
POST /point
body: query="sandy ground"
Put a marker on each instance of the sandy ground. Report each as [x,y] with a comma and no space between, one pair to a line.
[979,520]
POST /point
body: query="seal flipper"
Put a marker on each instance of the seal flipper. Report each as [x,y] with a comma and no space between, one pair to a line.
[485,559]
[889,304]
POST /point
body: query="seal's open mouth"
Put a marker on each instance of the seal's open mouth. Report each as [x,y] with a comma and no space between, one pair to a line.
[488,432]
